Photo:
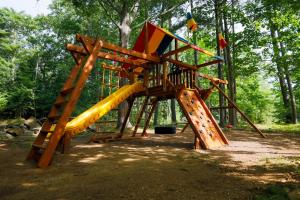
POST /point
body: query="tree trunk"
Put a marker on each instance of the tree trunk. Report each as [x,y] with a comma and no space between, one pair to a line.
[194,37]
[230,71]
[220,71]
[124,34]
[173,105]
[280,73]
[289,84]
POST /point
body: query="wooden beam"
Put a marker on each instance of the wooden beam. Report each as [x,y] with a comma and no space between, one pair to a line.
[176,51]
[140,116]
[74,96]
[122,50]
[185,127]
[212,78]
[112,67]
[154,104]
[130,104]
[208,63]
[236,107]
[108,56]
[165,76]
[180,64]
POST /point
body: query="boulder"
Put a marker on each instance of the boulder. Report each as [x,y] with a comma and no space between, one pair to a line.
[12,122]
[31,123]
[294,194]
[15,131]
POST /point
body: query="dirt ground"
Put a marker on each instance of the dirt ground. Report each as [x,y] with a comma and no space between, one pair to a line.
[160,167]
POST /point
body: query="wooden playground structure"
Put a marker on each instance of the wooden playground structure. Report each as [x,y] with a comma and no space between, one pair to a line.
[153,71]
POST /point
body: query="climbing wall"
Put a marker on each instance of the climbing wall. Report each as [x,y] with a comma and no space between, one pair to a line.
[201,120]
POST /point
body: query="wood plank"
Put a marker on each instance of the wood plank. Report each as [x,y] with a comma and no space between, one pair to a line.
[108,56]
[212,78]
[60,126]
[237,108]
[180,64]
[125,51]
[144,106]
[208,63]
[176,51]
[130,102]
[149,117]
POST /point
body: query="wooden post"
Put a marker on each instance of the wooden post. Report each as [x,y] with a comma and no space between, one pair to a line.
[185,127]
[176,47]
[63,120]
[140,116]
[130,104]
[149,117]
[164,81]
[236,107]
[146,78]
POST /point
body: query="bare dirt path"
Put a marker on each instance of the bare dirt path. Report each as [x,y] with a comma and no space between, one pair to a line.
[160,167]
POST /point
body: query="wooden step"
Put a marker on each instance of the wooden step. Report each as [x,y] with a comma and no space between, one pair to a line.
[66,91]
[39,146]
[46,131]
[60,103]
[54,117]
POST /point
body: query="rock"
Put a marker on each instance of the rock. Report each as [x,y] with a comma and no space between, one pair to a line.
[294,194]
[32,123]
[15,131]
[8,136]
[12,122]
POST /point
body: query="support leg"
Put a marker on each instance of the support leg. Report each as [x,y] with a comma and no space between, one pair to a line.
[236,107]
[140,116]
[185,127]
[149,117]
[130,102]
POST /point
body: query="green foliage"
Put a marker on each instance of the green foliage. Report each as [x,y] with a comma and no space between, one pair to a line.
[254,100]
[34,64]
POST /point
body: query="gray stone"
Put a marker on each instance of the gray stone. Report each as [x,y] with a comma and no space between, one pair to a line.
[16,131]
[294,194]
[32,123]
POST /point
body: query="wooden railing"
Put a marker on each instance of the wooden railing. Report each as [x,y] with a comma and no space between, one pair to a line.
[184,77]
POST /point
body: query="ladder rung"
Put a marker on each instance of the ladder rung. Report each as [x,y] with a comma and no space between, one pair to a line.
[38,146]
[46,132]
[66,91]
[60,103]
[53,117]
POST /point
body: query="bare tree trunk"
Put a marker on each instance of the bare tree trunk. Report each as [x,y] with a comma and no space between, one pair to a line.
[126,18]
[220,70]
[289,84]
[280,72]
[230,70]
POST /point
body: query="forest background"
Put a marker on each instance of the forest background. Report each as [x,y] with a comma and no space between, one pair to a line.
[261,61]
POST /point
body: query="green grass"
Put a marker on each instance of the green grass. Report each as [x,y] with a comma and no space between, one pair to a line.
[280,128]
[273,128]
[273,192]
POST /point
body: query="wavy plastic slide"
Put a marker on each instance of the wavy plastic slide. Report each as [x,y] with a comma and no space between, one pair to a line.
[94,113]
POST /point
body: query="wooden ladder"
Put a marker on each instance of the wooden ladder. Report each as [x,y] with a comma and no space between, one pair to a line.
[43,148]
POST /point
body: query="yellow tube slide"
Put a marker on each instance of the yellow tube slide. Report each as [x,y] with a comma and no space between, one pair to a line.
[94,113]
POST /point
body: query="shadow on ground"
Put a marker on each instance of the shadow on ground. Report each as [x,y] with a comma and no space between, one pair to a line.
[160,167]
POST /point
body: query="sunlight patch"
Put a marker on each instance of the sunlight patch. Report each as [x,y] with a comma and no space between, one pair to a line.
[28,184]
[2,147]
[20,164]
[130,159]
[92,159]
[88,146]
